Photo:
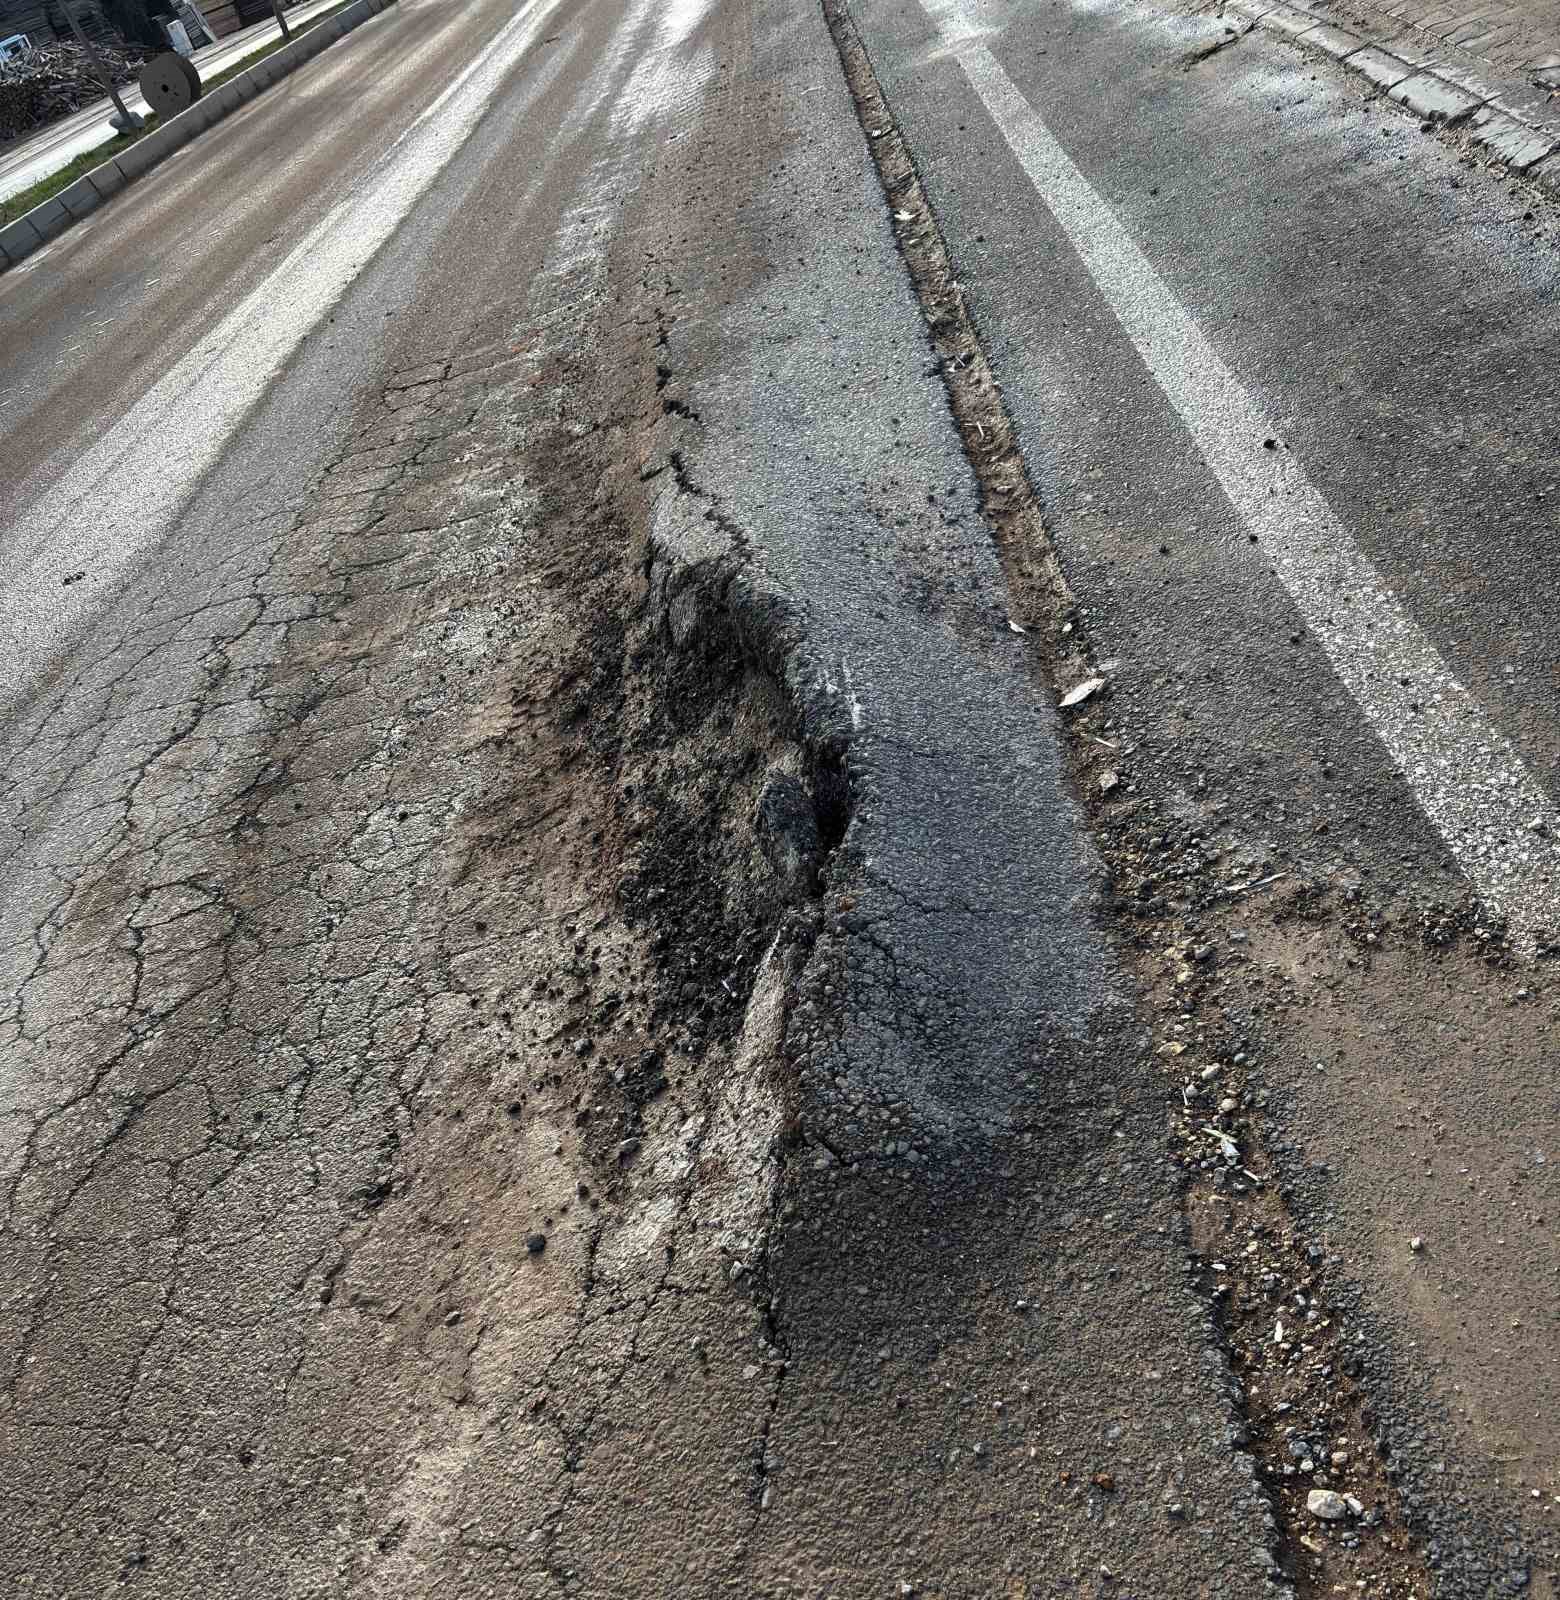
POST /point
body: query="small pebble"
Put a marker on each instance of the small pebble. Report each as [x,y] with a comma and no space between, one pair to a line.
[1323,1503]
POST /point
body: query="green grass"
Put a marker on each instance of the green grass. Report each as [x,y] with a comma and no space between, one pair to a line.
[45,188]
[25,199]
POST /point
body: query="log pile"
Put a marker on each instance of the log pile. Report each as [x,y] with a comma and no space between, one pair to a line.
[51,82]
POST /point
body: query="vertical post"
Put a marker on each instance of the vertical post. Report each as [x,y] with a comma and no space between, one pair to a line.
[276,6]
[126,116]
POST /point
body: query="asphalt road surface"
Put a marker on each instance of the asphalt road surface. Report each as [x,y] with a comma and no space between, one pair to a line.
[580,1019]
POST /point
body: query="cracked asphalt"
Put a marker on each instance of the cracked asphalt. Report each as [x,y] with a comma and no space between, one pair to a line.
[575,1018]
[400,1063]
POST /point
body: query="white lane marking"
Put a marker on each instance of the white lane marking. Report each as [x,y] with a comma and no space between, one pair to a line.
[1500,825]
[123,491]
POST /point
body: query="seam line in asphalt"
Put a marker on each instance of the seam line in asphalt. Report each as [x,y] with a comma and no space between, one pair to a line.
[1499,824]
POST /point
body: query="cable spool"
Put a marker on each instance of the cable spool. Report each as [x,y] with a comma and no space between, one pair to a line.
[170,84]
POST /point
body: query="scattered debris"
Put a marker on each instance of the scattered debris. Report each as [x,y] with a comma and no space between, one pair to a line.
[1081,692]
[1326,1504]
[1258,883]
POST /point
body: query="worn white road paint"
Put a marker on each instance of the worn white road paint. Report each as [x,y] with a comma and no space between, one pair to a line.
[112,505]
[1500,825]
[671,73]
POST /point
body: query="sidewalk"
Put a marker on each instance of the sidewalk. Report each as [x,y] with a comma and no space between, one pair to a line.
[30,160]
[1516,36]
[1504,113]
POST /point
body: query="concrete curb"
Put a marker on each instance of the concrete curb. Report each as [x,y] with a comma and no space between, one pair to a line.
[34,229]
[1511,123]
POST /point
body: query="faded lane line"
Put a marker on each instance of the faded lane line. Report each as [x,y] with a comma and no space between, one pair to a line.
[122,494]
[1467,778]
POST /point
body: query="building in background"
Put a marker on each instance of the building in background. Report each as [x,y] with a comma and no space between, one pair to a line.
[45,22]
[134,21]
